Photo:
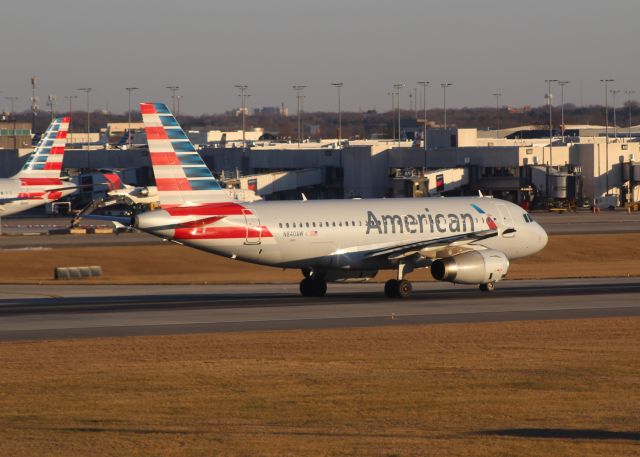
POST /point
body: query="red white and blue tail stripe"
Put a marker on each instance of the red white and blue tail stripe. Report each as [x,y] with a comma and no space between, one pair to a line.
[45,163]
[181,175]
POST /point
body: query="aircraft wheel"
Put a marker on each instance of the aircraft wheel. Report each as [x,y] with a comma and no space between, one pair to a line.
[404,289]
[391,288]
[319,288]
[488,287]
[310,287]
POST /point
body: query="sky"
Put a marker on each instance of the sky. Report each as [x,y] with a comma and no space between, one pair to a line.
[206,47]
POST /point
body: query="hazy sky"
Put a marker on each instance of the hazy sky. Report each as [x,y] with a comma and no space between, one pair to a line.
[207,46]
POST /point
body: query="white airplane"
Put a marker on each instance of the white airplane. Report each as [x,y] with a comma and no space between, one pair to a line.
[39,180]
[467,240]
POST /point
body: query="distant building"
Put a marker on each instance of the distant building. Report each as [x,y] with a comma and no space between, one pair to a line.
[15,135]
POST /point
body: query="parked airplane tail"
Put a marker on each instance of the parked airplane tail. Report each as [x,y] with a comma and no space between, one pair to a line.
[181,175]
[45,163]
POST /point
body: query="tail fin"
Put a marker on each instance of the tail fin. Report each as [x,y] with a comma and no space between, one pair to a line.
[46,160]
[181,175]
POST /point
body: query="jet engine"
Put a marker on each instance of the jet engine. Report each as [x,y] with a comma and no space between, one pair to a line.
[472,267]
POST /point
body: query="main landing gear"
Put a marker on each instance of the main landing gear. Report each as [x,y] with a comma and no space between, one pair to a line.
[313,286]
[395,288]
[400,287]
[488,287]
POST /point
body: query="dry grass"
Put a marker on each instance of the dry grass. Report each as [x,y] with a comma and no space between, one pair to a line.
[565,256]
[565,388]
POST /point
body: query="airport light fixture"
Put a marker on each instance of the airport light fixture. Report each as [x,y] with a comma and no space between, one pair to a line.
[606,128]
[497,95]
[129,90]
[51,102]
[299,97]
[242,88]
[444,101]
[393,110]
[562,84]
[178,98]
[173,90]
[629,93]
[424,85]
[70,98]
[87,91]
[12,100]
[397,87]
[615,122]
[549,97]
[339,87]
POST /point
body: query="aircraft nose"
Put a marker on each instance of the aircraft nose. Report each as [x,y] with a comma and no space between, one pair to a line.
[543,238]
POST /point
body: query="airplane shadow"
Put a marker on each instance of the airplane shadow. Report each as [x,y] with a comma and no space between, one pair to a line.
[563,433]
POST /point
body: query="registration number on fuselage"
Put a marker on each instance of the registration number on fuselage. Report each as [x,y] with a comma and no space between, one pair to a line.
[292,233]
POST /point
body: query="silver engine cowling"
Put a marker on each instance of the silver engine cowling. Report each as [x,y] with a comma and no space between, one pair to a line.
[473,267]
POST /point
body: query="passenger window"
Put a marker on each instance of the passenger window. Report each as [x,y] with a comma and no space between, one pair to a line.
[307,224]
[287,224]
[340,223]
[313,223]
[280,224]
[333,224]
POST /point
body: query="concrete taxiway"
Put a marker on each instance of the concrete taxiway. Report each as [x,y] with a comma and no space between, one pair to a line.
[68,311]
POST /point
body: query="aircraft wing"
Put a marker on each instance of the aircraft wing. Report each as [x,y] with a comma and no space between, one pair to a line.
[415,247]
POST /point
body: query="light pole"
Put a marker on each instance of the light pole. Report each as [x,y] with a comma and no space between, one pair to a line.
[549,102]
[606,128]
[34,104]
[415,101]
[178,98]
[299,96]
[129,135]
[444,101]
[497,95]
[393,110]
[628,93]
[242,88]
[397,87]
[87,91]
[173,90]
[339,87]
[51,102]
[615,123]
[70,98]
[562,84]
[12,100]
[424,85]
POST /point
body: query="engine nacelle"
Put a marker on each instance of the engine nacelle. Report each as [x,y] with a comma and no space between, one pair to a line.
[473,267]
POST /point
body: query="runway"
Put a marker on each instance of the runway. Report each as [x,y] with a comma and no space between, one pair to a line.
[57,312]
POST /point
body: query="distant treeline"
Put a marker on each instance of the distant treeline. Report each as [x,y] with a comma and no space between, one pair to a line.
[369,123]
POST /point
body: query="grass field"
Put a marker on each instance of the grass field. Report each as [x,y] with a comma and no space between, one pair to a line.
[560,388]
[564,256]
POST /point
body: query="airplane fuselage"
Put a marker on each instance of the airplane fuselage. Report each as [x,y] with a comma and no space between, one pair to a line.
[21,194]
[339,234]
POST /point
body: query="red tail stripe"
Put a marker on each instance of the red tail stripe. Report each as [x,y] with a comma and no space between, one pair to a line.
[220,233]
[156,133]
[61,134]
[57,150]
[40,182]
[53,166]
[147,108]
[164,158]
[213,209]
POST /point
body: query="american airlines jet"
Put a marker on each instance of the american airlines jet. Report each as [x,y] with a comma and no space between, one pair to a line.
[39,180]
[467,240]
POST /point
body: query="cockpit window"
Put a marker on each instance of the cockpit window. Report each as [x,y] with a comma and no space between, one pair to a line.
[527,217]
